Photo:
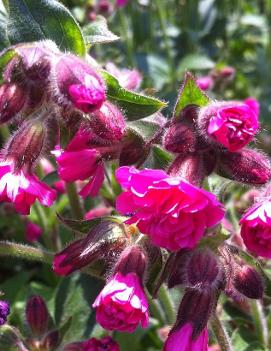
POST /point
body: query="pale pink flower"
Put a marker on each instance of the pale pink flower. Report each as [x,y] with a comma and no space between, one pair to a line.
[32,231]
[23,188]
[128,79]
[98,212]
[122,304]
[182,340]
[121,3]
[256,229]
[174,213]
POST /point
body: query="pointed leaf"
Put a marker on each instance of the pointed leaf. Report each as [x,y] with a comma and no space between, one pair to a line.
[135,105]
[33,20]
[97,32]
[190,94]
[146,127]
[5,57]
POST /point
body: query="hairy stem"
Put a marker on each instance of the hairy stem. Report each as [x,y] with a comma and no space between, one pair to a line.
[167,303]
[155,309]
[221,334]
[26,252]
[259,321]
[74,200]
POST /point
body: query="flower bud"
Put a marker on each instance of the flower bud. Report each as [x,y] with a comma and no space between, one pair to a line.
[32,231]
[195,309]
[230,125]
[37,315]
[202,270]
[205,83]
[12,100]
[227,72]
[180,138]
[108,122]
[245,166]
[77,84]
[133,150]
[132,260]
[248,281]
[4,311]
[102,240]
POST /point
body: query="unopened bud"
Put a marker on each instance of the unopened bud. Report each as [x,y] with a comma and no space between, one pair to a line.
[50,341]
[4,311]
[190,168]
[102,240]
[227,72]
[180,138]
[37,315]
[133,150]
[108,122]
[12,100]
[30,142]
[132,260]
[248,281]
[245,166]
[195,308]
[78,84]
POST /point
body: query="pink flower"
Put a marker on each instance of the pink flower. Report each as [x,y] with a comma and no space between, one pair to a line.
[256,229]
[122,304]
[232,124]
[128,79]
[78,162]
[98,212]
[205,83]
[182,340]
[174,213]
[32,232]
[77,83]
[121,3]
[253,104]
[106,343]
[23,188]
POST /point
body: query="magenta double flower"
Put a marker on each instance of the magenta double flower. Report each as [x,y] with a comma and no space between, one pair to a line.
[174,213]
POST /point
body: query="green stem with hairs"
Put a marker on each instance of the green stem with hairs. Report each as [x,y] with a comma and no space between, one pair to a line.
[74,200]
[221,334]
[25,252]
[167,303]
[259,321]
[155,309]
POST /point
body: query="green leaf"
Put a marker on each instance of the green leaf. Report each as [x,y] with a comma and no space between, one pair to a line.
[158,158]
[195,62]
[97,32]
[51,178]
[135,105]
[5,57]
[146,127]
[4,42]
[213,241]
[190,94]
[33,20]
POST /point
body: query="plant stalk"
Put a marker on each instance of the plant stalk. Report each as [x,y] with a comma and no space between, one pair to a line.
[221,334]
[74,200]
[167,303]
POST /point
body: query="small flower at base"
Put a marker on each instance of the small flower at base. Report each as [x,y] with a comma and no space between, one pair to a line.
[4,311]
[177,222]
[78,84]
[248,281]
[205,83]
[122,304]
[182,340]
[246,166]
[37,315]
[108,122]
[121,3]
[32,231]
[231,125]
[256,229]
[106,343]
[12,100]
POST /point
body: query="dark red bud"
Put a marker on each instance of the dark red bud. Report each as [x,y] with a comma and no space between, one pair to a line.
[134,149]
[195,308]
[202,270]
[190,168]
[12,100]
[177,275]
[246,166]
[180,138]
[248,281]
[132,259]
[37,315]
